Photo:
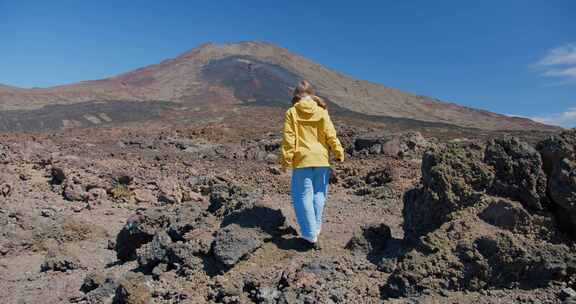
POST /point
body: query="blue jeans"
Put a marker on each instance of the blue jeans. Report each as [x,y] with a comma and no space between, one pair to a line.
[309,192]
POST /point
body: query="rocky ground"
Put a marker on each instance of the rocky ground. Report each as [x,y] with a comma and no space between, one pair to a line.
[200,215]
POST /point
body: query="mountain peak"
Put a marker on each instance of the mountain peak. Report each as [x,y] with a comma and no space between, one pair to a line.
[211,49]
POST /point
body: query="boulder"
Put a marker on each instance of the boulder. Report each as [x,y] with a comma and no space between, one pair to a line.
[60,259]
[4,154]
[379,177]
[103,293]
[155,252]
[192,196]
[74,192]
[185,257]
[226,198]
[519,174]
[480,220]
[189,217]
[453,178]
[399,145]
[144,196]
[406,144]
[92,281]
[57,176]
[133,289]
[456,176]
[162,253]
[138,230]
[169,191]
[562,188]
[6,188]
[166,225]
[234,242]
[97,194]
[372,145]
[557,147]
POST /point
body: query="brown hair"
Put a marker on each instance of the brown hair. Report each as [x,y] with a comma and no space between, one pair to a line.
[304,88]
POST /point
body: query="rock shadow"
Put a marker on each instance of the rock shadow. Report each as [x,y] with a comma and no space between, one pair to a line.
[293,243]
[267,220]
[379,247]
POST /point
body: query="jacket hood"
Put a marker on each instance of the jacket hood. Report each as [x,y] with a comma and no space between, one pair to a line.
[308,110]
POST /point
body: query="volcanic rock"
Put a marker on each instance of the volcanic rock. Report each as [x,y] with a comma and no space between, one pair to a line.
[155,252]
[103,293]
[518,169]
[379,177]
[226,198]
[92,281]
[5,189]
[507,215]
[97,194]
[233,242]
[60,259]
[557,147]
[169,191]
[144,196]
[74,192]
[409,144]
[473,223]
[139,230]
[453,178]
[562,188]
[371,238]
[132,289]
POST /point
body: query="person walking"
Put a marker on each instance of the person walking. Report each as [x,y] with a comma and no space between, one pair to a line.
[308,138]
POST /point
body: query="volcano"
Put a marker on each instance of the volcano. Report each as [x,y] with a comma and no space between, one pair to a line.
[254,73]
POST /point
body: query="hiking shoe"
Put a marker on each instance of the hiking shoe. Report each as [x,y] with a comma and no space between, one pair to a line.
[310,245]
[316,246]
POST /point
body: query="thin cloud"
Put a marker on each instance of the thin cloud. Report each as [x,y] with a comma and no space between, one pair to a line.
[566,119]
[568,72]
[560,63]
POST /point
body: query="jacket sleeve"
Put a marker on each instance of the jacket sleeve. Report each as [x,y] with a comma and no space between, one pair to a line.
[332,138]
[288,141]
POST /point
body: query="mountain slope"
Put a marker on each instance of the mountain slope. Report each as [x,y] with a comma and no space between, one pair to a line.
[255,72]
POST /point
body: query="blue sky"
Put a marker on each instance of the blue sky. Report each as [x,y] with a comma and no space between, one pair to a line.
[507,56]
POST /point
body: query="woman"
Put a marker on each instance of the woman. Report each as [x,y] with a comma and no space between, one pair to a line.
[308,136]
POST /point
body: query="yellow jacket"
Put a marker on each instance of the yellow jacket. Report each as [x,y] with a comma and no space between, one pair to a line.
[308,136]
